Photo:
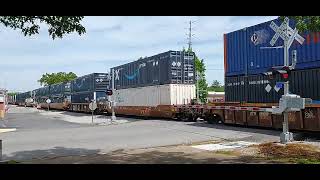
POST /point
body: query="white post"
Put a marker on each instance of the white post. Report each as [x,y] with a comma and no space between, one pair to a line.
[286,136]
[113,117]
[92,116]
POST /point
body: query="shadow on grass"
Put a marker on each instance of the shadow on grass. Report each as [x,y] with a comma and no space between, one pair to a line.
[151,157]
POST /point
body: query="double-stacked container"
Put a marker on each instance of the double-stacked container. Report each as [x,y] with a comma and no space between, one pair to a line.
[151,85]
[246,59]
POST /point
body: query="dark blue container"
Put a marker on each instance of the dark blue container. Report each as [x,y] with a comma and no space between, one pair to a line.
[82,97]
[252,89]
[81,90]
[59,92]
[171,67]
[85,88]
[244,56]
[87,97]
[90,82]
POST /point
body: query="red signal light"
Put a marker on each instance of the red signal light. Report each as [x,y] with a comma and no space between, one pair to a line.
[285,76]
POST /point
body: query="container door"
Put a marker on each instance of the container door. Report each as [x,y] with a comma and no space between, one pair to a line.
[189,71]
[176,66]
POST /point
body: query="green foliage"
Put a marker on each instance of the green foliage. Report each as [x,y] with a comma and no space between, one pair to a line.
[12,93]
[58,25]
[54,78]
[306,23]
[201,68]
[216,86]
[216,89]
[215,83]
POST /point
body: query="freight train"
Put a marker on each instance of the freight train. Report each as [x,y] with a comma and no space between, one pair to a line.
[248,92]
[151,86]
[163,85]
[74,95]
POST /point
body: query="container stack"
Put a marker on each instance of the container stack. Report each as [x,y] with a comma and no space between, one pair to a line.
[87,88]
[246,59]
[164,79]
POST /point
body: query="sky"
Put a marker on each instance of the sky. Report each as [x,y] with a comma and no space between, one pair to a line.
[111,41]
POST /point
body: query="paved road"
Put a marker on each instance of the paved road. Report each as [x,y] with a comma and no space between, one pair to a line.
[48,136]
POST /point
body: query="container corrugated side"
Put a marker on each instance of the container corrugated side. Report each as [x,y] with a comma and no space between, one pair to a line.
[83,83]
[244,56]
[305,83]
[165,68]
[90,83]
[169,94]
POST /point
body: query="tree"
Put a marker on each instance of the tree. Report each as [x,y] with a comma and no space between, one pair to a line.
[216,83]
[12,93]
[54,78]
[216,86]
[58,25]
[306,23]
[201,68]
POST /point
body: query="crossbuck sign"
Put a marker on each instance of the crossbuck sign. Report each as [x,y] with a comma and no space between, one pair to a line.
[286,33]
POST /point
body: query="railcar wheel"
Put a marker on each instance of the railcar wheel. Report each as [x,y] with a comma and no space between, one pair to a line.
[213,119]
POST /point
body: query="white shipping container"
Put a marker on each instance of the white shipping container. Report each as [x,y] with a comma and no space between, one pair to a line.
[169,94]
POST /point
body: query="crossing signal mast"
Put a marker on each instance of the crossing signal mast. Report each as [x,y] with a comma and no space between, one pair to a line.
[288,102]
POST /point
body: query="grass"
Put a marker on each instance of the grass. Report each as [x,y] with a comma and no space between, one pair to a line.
[230,153]
[293,153]
[206,142]
[11,162]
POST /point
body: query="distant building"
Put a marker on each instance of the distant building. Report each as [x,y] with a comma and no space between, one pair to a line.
[215,96]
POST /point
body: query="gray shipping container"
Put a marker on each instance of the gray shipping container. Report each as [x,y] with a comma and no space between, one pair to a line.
[253,89]
[172,67]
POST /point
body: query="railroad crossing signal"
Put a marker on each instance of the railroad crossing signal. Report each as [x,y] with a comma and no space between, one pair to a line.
[286,33]
[93,106]
[288,102]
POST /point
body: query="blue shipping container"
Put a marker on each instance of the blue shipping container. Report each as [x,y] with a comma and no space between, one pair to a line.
[243,54]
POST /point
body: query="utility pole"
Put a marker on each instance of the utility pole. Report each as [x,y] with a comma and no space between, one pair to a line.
[113,117]
[190,35]
[198,76]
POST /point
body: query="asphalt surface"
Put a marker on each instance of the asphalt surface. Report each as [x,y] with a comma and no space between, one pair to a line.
[40,136]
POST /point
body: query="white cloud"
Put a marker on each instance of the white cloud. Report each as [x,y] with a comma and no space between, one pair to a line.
[111,41]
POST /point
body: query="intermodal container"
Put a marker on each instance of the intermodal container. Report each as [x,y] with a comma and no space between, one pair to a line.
[244,52]
[90,87]
[261,89]
[91,82]
[172,67]
[168,94]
